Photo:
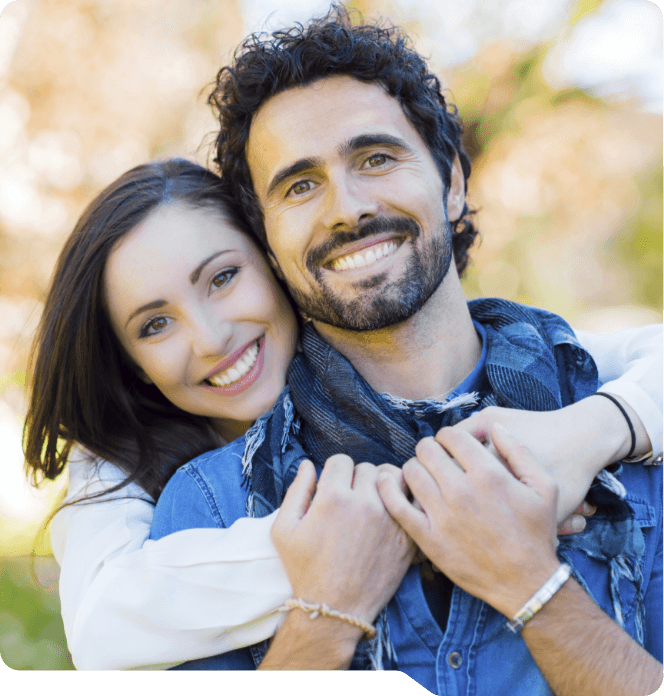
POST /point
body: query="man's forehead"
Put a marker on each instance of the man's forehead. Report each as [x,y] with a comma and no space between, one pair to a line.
[316,119]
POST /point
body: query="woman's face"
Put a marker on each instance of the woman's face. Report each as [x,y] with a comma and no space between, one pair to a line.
[193,302]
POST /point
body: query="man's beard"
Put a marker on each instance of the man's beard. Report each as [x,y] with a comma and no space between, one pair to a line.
[391,302]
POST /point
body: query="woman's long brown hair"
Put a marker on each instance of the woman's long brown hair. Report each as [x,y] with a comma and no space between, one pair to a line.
[84,390]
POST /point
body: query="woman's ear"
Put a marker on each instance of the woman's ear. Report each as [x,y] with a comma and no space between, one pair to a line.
[143,376]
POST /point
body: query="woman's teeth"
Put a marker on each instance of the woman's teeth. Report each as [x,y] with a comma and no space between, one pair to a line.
[238,370]
[365,257]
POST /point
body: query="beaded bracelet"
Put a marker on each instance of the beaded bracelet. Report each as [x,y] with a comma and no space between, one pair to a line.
[540,598]
[315,610]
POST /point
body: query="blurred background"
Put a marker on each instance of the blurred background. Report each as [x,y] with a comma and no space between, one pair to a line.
[562,104]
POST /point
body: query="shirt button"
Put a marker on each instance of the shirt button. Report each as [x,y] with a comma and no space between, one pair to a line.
[455,660]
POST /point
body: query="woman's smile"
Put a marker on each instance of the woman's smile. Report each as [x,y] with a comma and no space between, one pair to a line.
[243,372]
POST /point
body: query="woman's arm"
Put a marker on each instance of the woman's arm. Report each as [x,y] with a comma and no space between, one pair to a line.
[130,602]
[629,363]
[576,442]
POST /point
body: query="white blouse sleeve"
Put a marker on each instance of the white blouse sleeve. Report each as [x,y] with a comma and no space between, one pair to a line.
[630,366]
[130,602]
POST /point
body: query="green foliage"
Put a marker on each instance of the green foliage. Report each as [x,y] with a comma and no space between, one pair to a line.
[31,631]
[639,246]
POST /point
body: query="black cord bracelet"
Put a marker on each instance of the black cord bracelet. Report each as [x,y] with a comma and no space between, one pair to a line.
[629,422]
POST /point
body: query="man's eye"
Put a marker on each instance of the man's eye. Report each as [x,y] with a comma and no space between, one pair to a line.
[154,326]
[224,277]
[299,188]
[377,160]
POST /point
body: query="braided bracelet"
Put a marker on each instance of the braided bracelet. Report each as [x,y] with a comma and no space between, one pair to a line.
[315,610]
[627,418]
[540,598]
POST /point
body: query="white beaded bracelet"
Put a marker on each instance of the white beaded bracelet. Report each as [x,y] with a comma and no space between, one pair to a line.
[540,598]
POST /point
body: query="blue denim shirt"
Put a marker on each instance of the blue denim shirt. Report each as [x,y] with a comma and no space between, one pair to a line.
[476,654]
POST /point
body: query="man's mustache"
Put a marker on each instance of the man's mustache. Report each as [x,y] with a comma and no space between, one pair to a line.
[376,226]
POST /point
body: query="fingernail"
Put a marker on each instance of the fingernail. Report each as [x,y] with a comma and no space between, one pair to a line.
[501,429]
[578,523]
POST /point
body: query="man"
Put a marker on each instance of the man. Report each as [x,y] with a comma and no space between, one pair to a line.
[350,167]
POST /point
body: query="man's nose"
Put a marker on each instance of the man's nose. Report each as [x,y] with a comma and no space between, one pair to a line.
[347,203]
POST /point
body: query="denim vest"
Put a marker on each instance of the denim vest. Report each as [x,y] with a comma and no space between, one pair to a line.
[617,562]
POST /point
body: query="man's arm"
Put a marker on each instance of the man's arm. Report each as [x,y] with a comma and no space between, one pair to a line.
[342,549]
[499,528]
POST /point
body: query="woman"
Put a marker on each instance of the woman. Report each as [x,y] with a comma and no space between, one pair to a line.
[164,336]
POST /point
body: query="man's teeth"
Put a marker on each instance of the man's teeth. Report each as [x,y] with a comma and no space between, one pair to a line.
[365,257]
[238,370]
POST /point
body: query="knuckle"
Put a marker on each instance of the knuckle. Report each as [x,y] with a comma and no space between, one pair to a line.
[523,451]
[338,460]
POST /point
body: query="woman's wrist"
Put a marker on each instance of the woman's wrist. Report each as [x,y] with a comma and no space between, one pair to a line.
[635,441]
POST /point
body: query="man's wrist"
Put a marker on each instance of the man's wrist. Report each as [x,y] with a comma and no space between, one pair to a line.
[305,643]
[513,598]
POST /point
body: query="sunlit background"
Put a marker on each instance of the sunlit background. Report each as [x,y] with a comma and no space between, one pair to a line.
[562,103]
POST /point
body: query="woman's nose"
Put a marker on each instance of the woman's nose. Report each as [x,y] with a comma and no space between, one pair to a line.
[212,337]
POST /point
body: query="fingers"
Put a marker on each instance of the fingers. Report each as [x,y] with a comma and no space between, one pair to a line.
[338,473]
[394,471]
[469,453]
[364,477]
[572,525]
[396,503]
[430,471]
[576,522]
[477,426]
[585,509]
[522,462]
[298,497]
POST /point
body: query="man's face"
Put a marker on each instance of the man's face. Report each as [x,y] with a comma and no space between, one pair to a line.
[353,203]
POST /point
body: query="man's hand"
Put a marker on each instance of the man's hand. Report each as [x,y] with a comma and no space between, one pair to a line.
[573,444]
[340,546]
[489,529]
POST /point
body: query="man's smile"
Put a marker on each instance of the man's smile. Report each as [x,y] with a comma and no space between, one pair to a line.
[365,256]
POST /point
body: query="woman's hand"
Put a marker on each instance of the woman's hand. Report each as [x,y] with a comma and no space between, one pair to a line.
[572,444]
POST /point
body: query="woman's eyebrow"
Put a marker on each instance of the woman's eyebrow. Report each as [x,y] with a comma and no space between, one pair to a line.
[193,277]
[196,273]
[156,304]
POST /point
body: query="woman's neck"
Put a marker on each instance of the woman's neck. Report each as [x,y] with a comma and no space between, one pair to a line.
[229,430]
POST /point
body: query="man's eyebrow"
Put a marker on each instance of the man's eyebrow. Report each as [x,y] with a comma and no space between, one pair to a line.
[156,304]
[291,170]
[371,140]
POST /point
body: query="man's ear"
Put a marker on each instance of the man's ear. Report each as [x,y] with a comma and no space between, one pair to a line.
[275,266]
[456,196]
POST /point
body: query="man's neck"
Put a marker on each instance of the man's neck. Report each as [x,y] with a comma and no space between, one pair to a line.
[424,357]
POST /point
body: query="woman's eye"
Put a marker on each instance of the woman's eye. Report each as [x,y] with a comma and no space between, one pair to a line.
[224,277]
[154,326]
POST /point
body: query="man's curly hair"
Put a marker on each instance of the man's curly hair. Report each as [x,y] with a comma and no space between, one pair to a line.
[265,65]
